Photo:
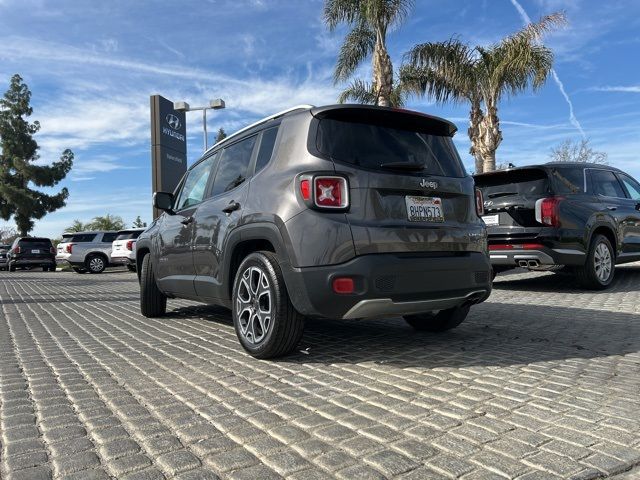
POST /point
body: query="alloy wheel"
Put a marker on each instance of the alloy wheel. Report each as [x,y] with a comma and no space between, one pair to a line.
[96,264]
[603,262]
[253,304]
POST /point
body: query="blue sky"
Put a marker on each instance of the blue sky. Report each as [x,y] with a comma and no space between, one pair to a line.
[92,65]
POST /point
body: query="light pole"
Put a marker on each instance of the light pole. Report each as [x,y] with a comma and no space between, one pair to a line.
[216,104]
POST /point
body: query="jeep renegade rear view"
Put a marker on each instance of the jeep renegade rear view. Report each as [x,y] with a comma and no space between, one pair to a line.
[344,211]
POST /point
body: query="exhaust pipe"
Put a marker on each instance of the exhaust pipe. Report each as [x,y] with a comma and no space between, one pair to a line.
[533,264]
[523,264]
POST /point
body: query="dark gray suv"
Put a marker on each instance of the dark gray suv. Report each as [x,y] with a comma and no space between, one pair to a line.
[343,211]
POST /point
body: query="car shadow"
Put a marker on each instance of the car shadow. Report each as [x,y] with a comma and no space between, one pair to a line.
[627,279]
[494,334]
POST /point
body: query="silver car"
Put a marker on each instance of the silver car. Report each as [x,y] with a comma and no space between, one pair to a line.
[87,251]
[123,250]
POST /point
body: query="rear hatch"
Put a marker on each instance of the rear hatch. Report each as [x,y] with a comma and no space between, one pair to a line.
[35,249]
[510,198]
[409,190]
[119,245]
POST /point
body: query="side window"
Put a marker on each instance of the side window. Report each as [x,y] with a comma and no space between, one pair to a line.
[631,185]
[234,163]
[266,147]
[109,237]
[195,184]
[607,184]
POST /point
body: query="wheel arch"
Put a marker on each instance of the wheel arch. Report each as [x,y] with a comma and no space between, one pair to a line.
[609,232]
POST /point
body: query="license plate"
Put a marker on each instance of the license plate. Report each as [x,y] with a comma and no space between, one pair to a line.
[491,220]
[35,251]
[424,209]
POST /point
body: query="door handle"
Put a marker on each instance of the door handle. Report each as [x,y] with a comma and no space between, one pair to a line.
[232,207]
[186,221]
[612,208]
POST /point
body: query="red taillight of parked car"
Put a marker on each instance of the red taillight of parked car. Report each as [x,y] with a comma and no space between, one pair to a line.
[547,211]
[325,192]
[479,202]
[69,248]
[52,250]
[130,244]
[330,192]
[16,250]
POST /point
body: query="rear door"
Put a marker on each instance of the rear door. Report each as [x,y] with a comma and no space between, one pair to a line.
[631,209]
[409,191]
[219,214]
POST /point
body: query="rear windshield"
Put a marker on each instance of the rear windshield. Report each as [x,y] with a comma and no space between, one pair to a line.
[35,243]
[128,235]
[388,149]
[83,238]
[517,182]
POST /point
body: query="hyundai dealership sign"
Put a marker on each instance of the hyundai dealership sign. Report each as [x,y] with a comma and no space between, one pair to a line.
[168,145]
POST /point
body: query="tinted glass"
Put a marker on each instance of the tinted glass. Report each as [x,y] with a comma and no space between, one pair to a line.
[37,243]
[234,164]
[195,184]
[266,147]
[372,146]
[109,237]
[568,180]
[128,235]
[631,185]
[532,182]
[605,183]
[82,238]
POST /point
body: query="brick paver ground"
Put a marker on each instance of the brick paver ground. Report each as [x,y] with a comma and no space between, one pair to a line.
[541,381]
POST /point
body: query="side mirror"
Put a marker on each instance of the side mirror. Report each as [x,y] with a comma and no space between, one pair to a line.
[163,201]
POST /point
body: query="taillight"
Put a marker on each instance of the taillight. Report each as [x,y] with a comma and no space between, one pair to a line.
[69,248]
[479,202]
[547,211]
[325,191]
[130,244]
[305,189]
[17,250]
[52,250]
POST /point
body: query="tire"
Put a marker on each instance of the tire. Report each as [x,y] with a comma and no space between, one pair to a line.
[600,267]
[153,303]
[267,334]
[95,263]
[78,270]
[439,322]
[131,268]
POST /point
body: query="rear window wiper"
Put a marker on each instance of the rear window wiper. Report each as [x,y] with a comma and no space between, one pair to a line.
[501,194]
[411,166]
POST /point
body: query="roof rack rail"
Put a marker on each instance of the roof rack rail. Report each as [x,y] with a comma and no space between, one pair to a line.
[264,120]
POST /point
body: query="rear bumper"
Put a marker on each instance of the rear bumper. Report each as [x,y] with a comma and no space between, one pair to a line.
[116,260]
[391,284]
[30,262]
[532,258]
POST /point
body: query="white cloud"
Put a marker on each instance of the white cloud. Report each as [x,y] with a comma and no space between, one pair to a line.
[624,89]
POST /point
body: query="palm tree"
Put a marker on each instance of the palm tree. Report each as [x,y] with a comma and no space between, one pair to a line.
[76,226]
[370,21]
[454,71]
[107,222]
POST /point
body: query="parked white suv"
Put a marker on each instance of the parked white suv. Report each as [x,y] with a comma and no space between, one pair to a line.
[123,250]
[87,251]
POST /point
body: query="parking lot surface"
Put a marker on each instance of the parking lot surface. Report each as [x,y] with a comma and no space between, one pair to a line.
[541,381]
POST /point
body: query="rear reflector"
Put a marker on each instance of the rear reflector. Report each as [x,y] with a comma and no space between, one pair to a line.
[521,246]
[343,285]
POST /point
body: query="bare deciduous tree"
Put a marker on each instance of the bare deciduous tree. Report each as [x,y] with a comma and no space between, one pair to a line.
[578,152]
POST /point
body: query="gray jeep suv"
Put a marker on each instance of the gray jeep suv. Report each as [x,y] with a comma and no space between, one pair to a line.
[343,211]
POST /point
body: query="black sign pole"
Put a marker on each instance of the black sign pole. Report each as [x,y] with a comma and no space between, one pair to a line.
[168,146]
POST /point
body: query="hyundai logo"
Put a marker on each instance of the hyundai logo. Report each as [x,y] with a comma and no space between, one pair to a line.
[429,184]
[173,121]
